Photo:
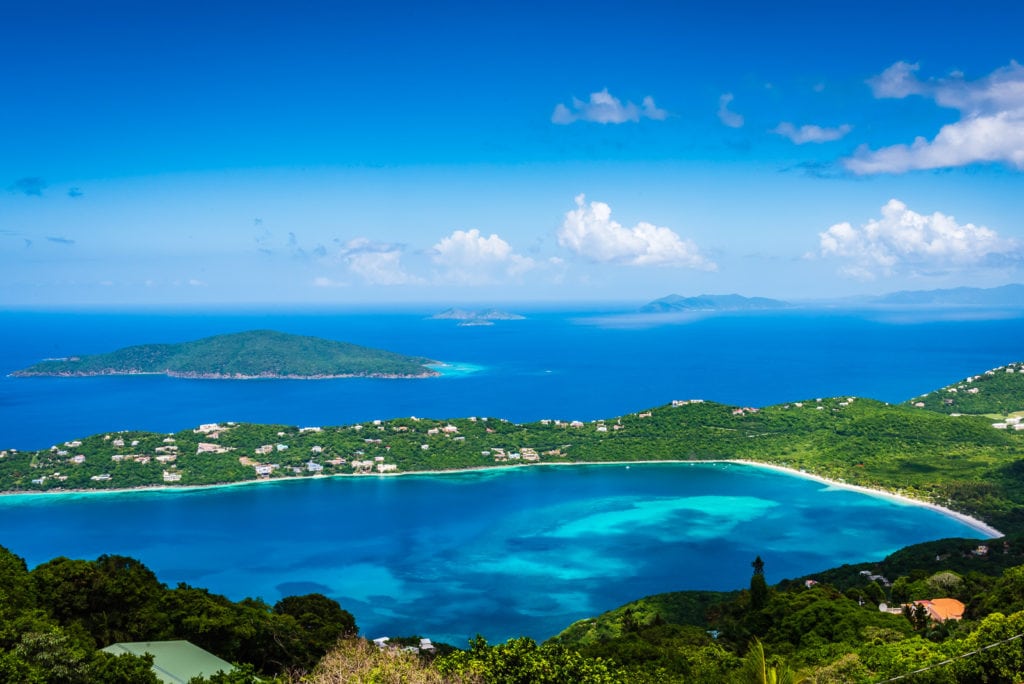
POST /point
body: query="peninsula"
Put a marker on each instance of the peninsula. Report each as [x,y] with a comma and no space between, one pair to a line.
[244,355]
[967,463]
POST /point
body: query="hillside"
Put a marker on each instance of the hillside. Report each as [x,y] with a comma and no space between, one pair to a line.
[253,354]
[998,392]
[958,461]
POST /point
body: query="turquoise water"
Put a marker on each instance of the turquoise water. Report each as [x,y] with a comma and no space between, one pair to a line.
[507,552]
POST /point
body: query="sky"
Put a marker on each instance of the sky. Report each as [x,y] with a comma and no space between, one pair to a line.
[345,153]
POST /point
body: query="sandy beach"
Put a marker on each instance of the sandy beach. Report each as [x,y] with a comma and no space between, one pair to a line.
[974,523]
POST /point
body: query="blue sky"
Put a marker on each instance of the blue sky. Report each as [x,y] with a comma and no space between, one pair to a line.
[338,153]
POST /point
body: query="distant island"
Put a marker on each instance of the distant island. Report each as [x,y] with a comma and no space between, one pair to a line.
[1006,296]
[708,302]
[468,318]
[252,354]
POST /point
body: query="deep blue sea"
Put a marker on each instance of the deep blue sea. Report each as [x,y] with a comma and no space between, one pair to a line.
[500,553]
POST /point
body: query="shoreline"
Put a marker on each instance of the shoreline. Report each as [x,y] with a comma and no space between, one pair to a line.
[430,373]
[970,521]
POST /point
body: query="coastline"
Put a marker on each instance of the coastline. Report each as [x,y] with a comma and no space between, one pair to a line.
[970,521]
[429,373]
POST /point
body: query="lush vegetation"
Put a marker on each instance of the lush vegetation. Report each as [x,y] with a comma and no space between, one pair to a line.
[258,353]
[995,393]
[960,461]
[55,617]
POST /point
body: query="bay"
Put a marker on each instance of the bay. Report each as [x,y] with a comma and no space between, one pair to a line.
[502,553]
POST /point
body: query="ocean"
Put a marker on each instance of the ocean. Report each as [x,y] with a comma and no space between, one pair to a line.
[501,553]
[570,365]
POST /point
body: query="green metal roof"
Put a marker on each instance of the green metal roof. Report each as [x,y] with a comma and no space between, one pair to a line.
[174,662]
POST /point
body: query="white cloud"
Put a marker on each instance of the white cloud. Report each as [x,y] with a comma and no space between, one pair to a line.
[605,108]
[729,118]
[591,232]
[897,81]
[903,240]
[810,133]
[470,258]
[377,263]
[990,129]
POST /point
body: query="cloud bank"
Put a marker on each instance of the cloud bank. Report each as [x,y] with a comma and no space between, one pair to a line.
[903,240]
[590,232]
[990,129]
[605,108]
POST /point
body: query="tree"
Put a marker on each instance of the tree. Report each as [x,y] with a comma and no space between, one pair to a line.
[758,586]
[756,670]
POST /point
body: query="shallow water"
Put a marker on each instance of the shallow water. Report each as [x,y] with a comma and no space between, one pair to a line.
[511,552]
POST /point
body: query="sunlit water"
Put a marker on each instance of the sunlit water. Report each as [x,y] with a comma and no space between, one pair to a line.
[502,553]
[506,552]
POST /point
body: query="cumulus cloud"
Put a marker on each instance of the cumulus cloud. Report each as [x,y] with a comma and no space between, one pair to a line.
[809,133]
[729,118]
[30,185]
[605,108]
[990,129]
[590,232]
[903,240]
[470,258]
[377,263]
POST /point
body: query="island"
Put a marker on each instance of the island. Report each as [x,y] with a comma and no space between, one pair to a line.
[483,317]
[244,355]
[708,302]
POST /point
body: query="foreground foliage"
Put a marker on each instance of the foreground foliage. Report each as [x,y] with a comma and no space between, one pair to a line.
[55,617]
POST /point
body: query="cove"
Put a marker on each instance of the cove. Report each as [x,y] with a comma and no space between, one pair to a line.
[502,552]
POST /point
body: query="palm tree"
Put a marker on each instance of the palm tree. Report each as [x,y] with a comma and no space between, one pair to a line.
[756,670]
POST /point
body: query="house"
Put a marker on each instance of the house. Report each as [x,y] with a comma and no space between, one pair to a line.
[316,449]
[314,467]
[170,476]
[104,477]
[264,469]
[175,661]
[942,609]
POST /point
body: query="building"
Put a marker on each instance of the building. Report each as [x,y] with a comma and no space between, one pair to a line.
[174,662]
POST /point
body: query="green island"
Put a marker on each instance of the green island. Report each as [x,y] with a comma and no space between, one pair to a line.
[251,354]
[945,611]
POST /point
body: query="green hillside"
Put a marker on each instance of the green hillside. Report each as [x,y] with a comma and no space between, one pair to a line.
[258,353]
[996,392]
[958,461]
